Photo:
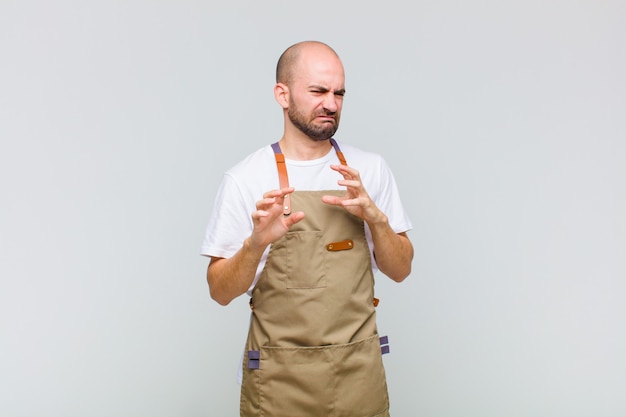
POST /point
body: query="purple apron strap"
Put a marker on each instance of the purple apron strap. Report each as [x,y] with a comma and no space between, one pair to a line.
[254,359]
[384,345]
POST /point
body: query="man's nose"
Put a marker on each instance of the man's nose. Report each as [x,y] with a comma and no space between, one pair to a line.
[331,103]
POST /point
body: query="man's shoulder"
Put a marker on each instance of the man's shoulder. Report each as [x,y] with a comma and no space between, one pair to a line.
[260,159]
[358,157]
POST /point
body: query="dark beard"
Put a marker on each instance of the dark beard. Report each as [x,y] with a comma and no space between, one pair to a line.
[318,133]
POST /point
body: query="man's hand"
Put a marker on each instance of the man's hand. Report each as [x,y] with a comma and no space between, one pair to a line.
[269,222]
[393,251]
[356,201]
[230,277]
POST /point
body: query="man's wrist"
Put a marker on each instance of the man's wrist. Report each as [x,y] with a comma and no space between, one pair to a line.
[380,220]
[253,248]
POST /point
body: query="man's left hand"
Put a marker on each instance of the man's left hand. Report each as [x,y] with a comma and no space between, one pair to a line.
[356,201]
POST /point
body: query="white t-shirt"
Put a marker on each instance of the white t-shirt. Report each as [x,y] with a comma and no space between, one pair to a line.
[243,185]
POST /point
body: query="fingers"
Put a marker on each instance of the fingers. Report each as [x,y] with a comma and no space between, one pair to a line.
[348,172]
[331,199]
[351,176]
[270,224]
[356,200]
[350,183]
[279,193]
[273,197]
[271,207]
[259,214]
[293,218]
[339,201]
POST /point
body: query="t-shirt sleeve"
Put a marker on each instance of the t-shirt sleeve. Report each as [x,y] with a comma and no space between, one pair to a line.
[230,222]
[389,202]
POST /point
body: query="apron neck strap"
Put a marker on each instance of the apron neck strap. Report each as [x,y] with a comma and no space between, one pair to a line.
[283,179]
[342,159]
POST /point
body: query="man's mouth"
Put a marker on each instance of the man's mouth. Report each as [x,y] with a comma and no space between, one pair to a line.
[325,118]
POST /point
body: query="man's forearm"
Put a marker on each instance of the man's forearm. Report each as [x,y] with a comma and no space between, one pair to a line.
[228,278]
[393,251]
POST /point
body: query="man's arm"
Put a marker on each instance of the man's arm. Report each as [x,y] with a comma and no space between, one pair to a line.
[228,278]
[393,251]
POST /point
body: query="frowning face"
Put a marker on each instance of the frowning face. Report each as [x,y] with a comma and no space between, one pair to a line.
[316,94]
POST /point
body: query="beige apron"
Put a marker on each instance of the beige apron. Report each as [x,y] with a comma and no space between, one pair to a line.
[313,347]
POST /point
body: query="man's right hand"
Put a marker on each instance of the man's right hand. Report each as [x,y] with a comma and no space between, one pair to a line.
[270,224]
[231,277]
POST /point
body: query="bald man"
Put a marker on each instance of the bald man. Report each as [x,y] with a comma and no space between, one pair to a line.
[301,226]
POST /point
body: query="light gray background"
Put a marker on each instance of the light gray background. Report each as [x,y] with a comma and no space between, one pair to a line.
[504,122]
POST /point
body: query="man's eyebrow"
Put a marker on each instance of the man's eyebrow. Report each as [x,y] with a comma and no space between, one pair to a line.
[325,89]
[318,87]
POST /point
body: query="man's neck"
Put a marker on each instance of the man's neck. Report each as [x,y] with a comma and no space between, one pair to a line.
[303,148]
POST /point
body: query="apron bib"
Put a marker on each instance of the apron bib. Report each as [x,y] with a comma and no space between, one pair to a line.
[313,349]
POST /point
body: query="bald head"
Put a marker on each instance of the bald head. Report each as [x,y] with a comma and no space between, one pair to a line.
[288,61]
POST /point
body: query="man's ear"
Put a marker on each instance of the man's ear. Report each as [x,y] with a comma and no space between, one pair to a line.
[281,94]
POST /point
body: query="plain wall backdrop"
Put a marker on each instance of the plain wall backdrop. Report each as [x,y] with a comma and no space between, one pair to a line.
[504,123]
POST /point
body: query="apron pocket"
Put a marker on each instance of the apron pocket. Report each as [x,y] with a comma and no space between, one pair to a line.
[304,255]
[295,382]
[361,388]
[339,381]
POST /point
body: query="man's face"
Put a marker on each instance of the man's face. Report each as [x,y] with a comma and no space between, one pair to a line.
[316,95]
